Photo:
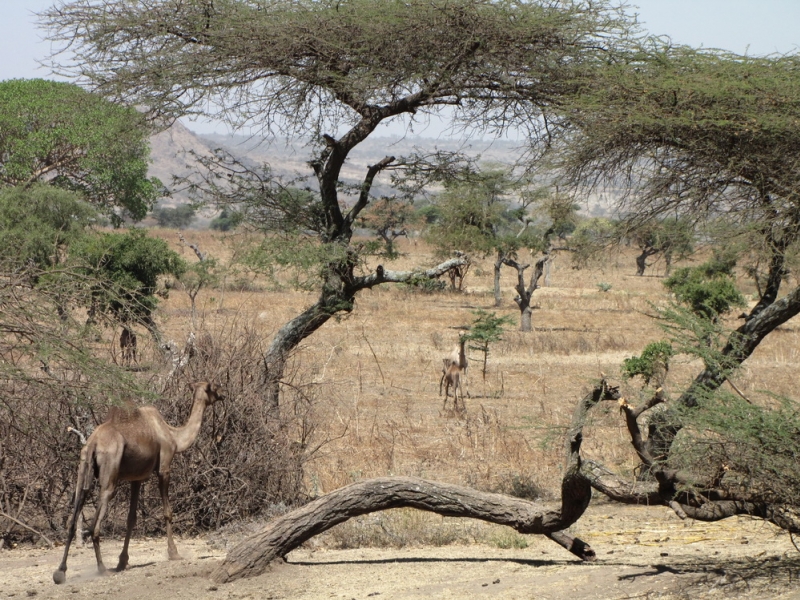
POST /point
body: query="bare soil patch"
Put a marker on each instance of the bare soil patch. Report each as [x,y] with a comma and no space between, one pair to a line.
[642,553]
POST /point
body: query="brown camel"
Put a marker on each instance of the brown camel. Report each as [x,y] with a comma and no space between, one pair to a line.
[452,377]
[455,364]
[130,446]
[127,343]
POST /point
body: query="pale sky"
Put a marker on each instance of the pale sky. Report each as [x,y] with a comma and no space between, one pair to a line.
[755,27]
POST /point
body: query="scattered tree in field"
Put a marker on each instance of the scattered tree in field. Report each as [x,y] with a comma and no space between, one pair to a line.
[59,133]
[179,217]
[332,71]
[486,330]
[703,134]
[671,238]
[555,216]
[202,274]
[590,239]
[390,218]
[475,215]
[227,220]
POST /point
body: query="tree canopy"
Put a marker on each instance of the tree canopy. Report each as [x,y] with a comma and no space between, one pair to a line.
[700,134]
[332,71]
[59,133]
[37,223]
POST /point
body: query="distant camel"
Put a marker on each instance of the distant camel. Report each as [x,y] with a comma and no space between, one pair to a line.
[127,343]
[452,377]
[454,372]
[130,446]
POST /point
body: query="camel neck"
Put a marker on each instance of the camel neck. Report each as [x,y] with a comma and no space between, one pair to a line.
[186,435]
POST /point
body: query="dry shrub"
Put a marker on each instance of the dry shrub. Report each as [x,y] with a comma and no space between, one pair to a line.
[37,466]
[249,457]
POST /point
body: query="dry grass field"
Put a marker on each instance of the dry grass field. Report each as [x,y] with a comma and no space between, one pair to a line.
[371,379]
[375,373]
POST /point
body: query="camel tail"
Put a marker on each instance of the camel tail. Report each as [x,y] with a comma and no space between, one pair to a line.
[86,469]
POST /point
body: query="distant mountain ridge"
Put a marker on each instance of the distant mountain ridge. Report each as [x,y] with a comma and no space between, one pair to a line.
[170,154]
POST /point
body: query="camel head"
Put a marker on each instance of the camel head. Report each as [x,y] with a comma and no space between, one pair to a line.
[212,392]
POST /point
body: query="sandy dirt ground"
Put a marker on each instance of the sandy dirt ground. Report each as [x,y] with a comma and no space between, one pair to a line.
[642,553]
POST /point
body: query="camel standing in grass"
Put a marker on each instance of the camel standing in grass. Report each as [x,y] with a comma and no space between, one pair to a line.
[127,343]
[130,446]
[452,377]
[454,372]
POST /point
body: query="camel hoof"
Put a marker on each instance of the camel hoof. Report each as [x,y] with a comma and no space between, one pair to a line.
[59,577]
[175,557]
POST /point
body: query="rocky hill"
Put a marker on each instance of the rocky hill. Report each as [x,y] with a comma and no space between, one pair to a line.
[170,151]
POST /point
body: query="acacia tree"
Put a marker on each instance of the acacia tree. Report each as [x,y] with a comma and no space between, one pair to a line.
[389,218]
[671,238]
[475,217]
[60,133]
[332,71]
[703,133]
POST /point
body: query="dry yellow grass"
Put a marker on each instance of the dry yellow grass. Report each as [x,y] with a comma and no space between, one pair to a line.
[376,372]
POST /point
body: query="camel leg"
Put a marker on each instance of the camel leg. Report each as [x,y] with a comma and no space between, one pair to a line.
[136,486]
[106,493]
[163,487]
[59,576]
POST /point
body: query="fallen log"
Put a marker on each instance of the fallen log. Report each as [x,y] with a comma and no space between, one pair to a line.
[253,555]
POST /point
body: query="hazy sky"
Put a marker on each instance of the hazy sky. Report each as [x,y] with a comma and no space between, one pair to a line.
[753,26]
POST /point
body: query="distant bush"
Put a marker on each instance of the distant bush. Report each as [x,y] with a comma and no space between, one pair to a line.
[226,221]
[179,217]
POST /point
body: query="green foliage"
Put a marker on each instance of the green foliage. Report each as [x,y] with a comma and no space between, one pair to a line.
[389,218]
[708,290]
[130,264]
[756,444]
[425,285]
[305,258]
[429,213]
[652,363]
[485,330]
[204,273]
[227,220]
[589,239]
[179,217]
[58,132]
[471,214]
[38,222]
[604,286]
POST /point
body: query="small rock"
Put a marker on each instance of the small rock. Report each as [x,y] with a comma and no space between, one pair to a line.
[496,581]
[213,588]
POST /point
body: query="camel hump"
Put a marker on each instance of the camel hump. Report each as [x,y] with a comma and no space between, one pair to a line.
[127,413]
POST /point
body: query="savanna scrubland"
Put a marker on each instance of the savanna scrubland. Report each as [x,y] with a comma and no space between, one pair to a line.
[362,401]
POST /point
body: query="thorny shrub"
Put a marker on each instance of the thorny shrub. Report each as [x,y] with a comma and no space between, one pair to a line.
[55,373]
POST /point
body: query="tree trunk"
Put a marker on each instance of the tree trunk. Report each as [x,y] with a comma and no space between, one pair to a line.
[641,263]
[252,556]
[524,294]
[525,318]
[338,295]
[498,264]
